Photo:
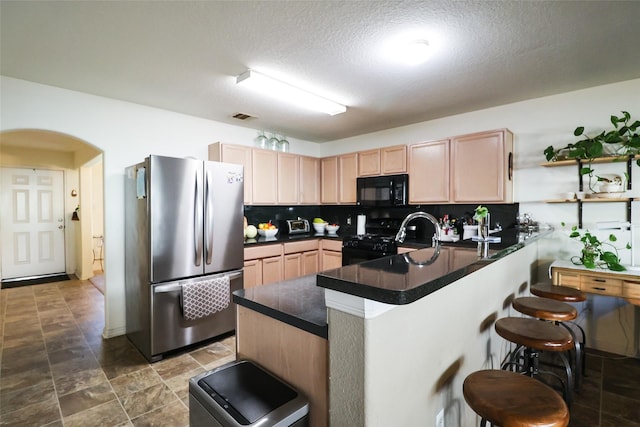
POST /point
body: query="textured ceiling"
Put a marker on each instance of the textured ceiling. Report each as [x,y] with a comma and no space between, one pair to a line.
[183,56]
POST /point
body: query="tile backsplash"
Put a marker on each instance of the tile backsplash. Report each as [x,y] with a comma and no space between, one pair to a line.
[345,215]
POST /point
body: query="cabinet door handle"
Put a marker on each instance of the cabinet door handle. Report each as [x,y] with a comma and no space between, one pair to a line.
[600,280]
[599,289]
[510,168]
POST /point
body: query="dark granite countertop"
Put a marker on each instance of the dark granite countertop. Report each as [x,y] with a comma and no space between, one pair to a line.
[398,279]
[284,238]
[405,278]
[297,302]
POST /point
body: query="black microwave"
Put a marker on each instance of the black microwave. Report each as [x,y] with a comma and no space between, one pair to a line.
[383,191]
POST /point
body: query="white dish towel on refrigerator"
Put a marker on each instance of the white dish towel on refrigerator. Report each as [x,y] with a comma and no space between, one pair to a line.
[205,297]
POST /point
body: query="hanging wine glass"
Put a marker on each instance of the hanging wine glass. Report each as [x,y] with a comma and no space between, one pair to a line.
[261,140]
[283,145]
[273,142]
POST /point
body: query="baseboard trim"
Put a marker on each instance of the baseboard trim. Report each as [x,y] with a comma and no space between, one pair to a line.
[113,332]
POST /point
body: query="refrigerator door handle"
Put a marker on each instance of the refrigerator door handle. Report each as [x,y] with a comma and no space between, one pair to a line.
[197,224]
[172,287]
[208,212]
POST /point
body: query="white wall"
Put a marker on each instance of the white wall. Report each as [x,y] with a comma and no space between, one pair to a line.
[126,133]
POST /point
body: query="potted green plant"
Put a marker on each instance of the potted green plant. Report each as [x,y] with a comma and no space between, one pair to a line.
[620,142]
[481,215]
[594,253]
[623,140]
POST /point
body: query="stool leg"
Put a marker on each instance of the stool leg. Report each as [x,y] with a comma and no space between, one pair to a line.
[578,353]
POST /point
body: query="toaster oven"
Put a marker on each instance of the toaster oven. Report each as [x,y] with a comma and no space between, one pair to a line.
[295,226]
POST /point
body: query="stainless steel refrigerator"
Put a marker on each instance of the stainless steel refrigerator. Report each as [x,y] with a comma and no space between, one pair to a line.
[183,247]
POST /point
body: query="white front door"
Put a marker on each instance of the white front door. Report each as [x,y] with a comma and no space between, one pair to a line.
[31,222]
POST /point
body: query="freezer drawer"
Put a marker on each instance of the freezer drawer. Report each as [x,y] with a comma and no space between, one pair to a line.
[170,330]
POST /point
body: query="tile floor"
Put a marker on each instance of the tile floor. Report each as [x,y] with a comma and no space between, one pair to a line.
[56,370]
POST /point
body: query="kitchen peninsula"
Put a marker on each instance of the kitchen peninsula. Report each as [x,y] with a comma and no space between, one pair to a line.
[389,341]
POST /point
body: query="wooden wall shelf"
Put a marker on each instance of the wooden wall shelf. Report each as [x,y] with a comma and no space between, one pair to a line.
[579,163]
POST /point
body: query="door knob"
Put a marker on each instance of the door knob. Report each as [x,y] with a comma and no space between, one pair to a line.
[60,227]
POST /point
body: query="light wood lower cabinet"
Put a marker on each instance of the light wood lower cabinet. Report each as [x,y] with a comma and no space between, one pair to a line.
[599,282]
[298,357]
[301,258]
[252,273]
[262,265]
[330,254]
[277,262]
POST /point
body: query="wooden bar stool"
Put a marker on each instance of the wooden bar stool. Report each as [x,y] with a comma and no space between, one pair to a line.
[553,311]
[558,293]
[565,294]
[531,337]
[508,399]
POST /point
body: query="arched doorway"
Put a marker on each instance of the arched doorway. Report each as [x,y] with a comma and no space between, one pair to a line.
[77,161]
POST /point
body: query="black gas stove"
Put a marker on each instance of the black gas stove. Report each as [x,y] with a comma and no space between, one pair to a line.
[365,247]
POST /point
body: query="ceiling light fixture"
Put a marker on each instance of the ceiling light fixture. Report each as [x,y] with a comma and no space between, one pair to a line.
[415,52]
[285,92]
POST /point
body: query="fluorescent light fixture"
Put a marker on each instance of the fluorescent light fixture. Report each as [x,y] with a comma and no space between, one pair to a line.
[285,92]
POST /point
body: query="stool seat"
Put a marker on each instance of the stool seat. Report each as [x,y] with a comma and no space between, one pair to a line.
[558,293]
[508,399]
[545,308]
[534,334]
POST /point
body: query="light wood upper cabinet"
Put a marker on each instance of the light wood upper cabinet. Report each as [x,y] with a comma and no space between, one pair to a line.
[309,180]
[383,161]
[237,154]
[329,179]
[393,160]
[482,167]
[429,172]
[347,175]
[288,178]
[265,177]
[369,163]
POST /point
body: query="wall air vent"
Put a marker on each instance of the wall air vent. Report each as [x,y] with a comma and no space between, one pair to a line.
[242,116]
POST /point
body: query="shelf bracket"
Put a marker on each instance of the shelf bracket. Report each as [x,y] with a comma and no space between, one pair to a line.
[580,186]
[629,172]
[580,211]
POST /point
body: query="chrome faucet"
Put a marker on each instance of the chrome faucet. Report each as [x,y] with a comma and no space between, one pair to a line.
[402,232]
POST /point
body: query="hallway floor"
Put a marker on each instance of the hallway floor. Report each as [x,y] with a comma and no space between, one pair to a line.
[56,370]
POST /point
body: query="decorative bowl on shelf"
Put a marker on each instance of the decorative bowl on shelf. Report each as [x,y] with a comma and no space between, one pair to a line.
[268,233]
[608,194]
[319,226]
